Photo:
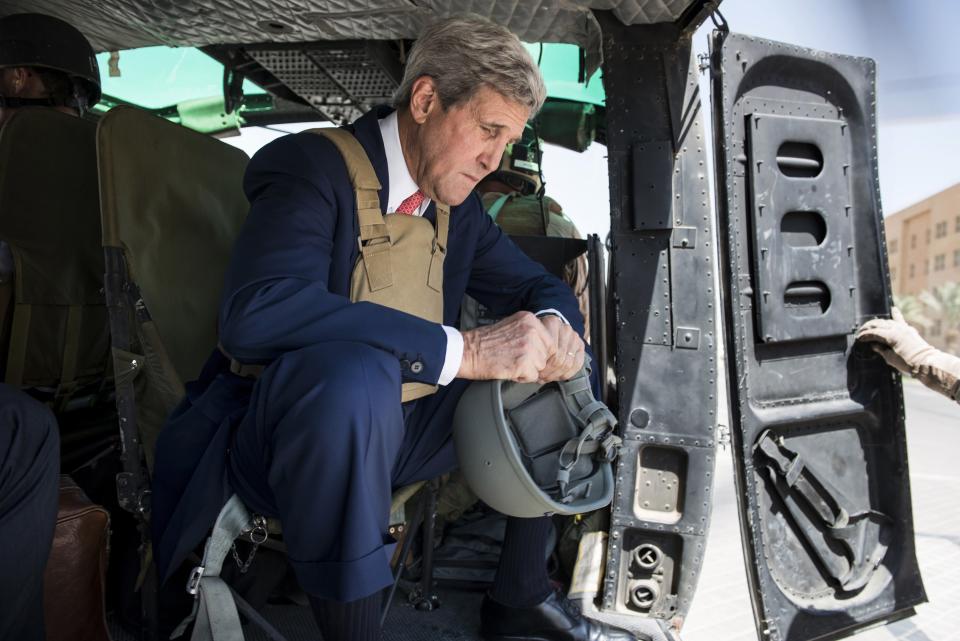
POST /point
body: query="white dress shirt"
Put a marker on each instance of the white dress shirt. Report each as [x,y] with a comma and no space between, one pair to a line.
[402,186]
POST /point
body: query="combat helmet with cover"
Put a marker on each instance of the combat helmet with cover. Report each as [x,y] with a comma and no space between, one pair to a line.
[528,450]
[36,40]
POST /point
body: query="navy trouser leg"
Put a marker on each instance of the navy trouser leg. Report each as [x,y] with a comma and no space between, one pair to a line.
[29,482]
[316,449]
[323,445]
[427,450]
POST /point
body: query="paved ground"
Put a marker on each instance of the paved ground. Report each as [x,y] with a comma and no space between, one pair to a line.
[721,610]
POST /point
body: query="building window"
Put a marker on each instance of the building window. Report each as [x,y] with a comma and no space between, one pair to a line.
[912,270]
[893,246]
[957,225]
[928,236]
[956,257]
[939,262]
[926,266]
[913,241]
[941,229]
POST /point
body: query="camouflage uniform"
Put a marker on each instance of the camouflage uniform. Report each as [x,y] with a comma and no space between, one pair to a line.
[521,215]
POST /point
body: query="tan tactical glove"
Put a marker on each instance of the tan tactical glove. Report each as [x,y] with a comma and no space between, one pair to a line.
[903,348]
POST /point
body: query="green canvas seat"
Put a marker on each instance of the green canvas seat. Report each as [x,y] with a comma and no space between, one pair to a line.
[172,205]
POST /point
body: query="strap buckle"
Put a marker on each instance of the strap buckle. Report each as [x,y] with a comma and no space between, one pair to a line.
[610,447]
[259,534]
[193,583]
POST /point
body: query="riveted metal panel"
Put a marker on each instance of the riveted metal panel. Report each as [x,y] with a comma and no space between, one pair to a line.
[653,185]
[662,281]
[341,80]
[805,268]
[817,421]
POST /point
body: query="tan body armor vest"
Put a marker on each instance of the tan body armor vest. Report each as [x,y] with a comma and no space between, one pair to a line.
[400,264]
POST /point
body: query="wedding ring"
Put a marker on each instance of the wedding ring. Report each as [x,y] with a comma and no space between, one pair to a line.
[571,353]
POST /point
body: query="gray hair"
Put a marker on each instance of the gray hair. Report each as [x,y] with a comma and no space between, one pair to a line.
[462,54]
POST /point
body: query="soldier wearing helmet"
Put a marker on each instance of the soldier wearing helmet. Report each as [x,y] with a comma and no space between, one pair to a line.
[513,196]
[44,62]
[520,165]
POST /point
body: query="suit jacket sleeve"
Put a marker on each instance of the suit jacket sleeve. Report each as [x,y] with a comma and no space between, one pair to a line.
[505,279]
[276,296]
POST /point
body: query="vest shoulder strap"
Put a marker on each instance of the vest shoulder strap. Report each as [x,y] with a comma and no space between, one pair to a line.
[362,174]
[374,234]
[365,183]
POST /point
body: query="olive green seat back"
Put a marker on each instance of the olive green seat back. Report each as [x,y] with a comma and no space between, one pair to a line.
[55,317]
[172,205]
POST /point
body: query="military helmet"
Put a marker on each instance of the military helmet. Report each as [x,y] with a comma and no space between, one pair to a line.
[530,450]
[37,40]
[520,164]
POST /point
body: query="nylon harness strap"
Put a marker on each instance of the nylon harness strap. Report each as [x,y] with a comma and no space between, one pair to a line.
[17,355]
[17,351]
[597,438]
[214,609]
[6,306]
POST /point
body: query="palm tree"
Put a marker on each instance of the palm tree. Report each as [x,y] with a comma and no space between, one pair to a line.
[943,303]
[913,311]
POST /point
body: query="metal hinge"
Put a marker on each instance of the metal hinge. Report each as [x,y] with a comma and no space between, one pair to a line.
[703,62]
[723,436]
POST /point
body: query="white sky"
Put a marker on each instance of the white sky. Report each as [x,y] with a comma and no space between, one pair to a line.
[918,84]
[918,95]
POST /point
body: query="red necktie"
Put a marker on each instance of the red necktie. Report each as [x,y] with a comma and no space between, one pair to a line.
[411,203]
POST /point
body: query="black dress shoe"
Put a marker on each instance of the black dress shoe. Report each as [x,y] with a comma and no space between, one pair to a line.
[556,619]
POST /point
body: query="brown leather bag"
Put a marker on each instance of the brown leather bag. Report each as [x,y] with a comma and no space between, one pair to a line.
[75,578]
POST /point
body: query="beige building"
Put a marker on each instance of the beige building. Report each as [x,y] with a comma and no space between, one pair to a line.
[923,243]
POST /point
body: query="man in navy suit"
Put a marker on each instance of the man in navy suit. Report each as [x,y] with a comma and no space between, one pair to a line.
[321,438]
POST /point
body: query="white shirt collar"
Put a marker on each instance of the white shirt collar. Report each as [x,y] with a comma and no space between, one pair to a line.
[401,182]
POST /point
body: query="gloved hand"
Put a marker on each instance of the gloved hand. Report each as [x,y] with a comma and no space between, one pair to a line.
[903,348]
